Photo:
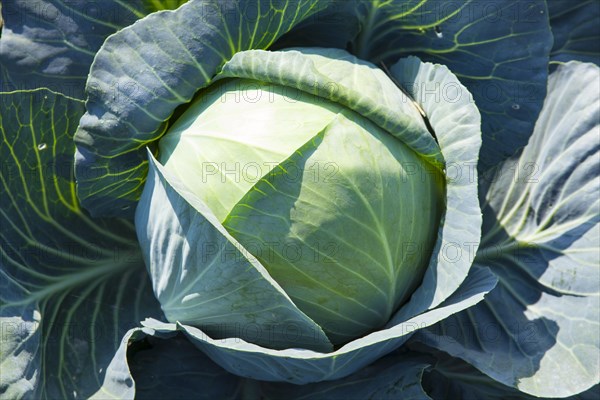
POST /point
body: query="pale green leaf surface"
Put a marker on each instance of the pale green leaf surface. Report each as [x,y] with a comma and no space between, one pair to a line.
[203,277]
[539,330]
[350,219]
[237,132]
[337,75]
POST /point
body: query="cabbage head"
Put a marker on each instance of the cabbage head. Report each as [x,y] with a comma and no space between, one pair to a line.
[339,211]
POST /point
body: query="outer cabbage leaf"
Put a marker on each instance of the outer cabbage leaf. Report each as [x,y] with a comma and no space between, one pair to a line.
[541,235]
[457,126]
[136,82]
[151,365]
[166,366]
[575,29]
[71,286]
[189,373]
[301,366]
[51,43]
[335,27]
[20,345]
[396,376]
[453,378]
[498,48]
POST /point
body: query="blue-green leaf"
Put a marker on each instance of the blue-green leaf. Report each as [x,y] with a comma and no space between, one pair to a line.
[575,29]
[51,43]
[301,366]
[457,126]
[397,376]
[136,82]
[191,374]
[153,365]
[541,235]
[20,344]
[203,277]
[158,364]
[82,280]
[453,378]
[499,49]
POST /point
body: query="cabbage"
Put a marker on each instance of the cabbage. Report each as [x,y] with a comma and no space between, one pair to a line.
[299,199]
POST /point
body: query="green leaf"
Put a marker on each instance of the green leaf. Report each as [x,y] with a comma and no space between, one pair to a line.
[190,373]
[219,149]
[136,82]
[453,378]
[301,366]
[82,280]
[334,27]
[58,45]
[397,376]
[575,29]
[541,235]
[498,49]
[457,126]
[203,277]
[151,365]
[166,366]
[345,225]
[163,365]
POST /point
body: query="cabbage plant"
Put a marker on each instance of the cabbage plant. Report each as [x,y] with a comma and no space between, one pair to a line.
[299,199]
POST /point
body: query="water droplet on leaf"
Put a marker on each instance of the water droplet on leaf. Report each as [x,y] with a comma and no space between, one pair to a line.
[42,146]
[516,106]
